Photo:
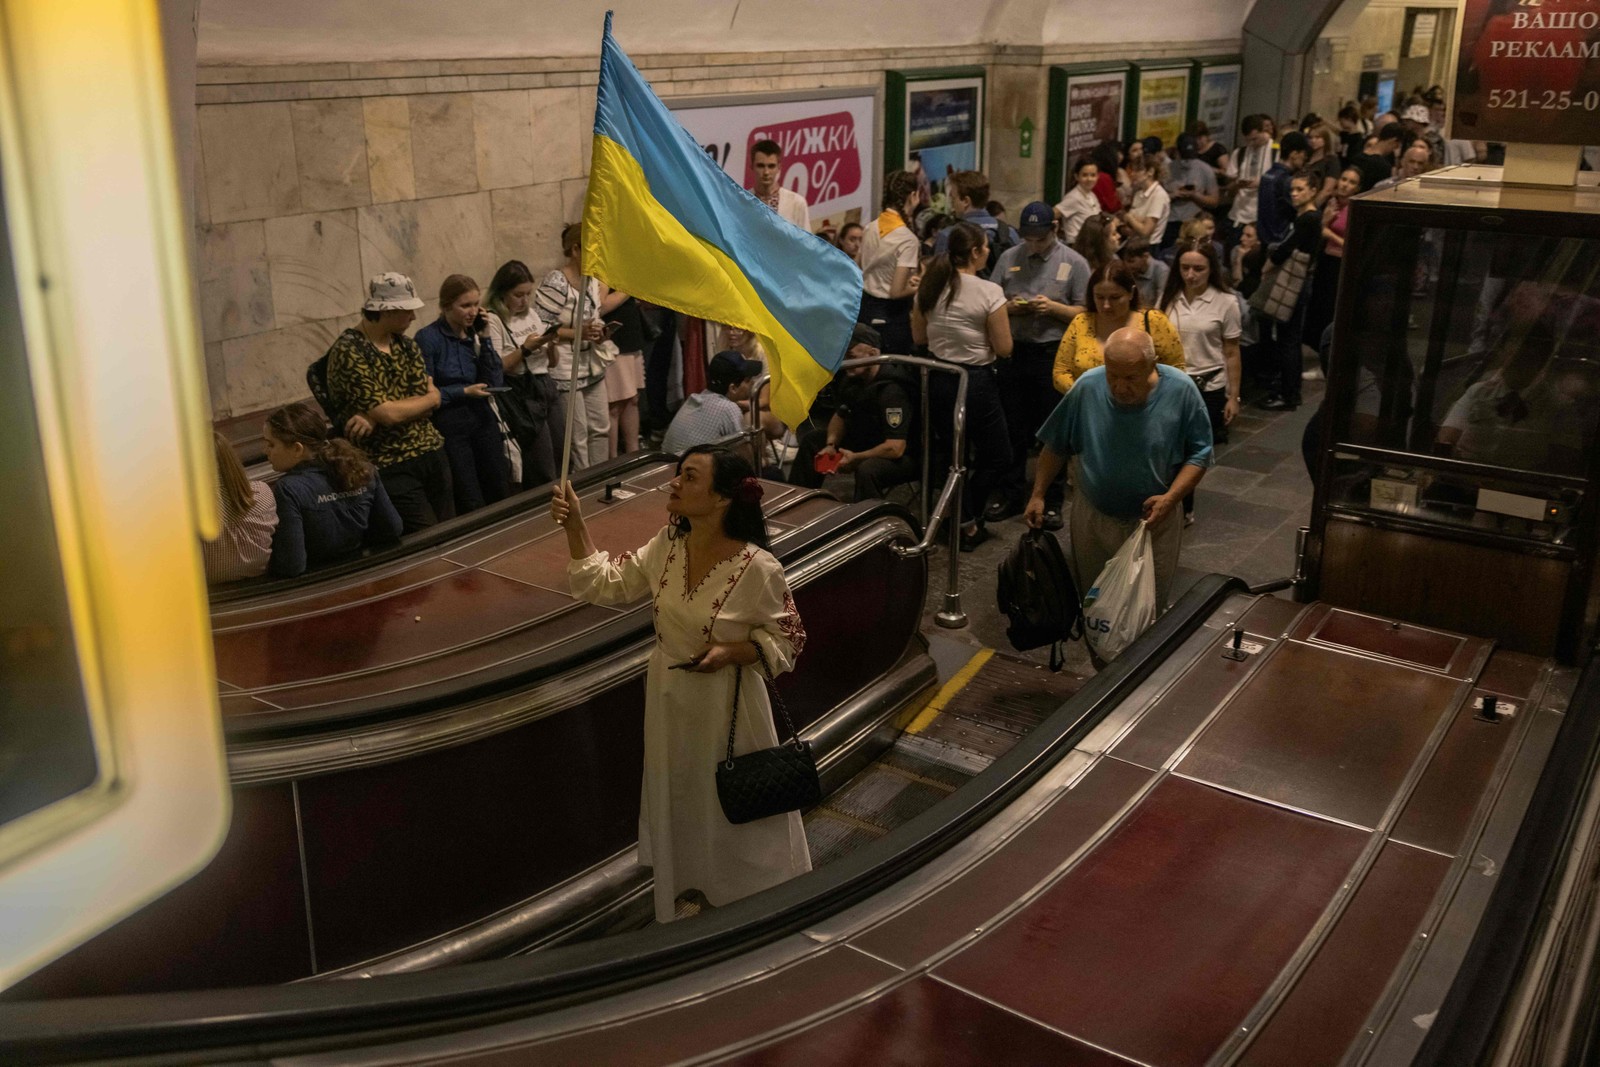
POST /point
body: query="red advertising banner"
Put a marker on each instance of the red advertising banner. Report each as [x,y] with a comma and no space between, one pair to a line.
[821,157]
[1529,73]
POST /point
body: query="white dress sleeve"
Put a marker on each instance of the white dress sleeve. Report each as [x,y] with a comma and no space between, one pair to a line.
[622,579]
[779,633]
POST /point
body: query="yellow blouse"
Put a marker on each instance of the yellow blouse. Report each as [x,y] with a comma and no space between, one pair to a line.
[1081,351]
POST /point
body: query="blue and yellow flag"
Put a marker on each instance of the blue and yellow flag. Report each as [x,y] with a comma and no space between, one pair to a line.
[663,222]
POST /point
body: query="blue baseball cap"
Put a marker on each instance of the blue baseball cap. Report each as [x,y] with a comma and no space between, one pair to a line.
[1036,219]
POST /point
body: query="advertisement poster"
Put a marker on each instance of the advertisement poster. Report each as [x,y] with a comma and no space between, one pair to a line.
[1095,105]
[828,145]
[1162,97]
[1219,102]
[944,121]
[1528,74]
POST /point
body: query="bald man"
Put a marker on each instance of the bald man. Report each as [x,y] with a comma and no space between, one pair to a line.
[1142,438]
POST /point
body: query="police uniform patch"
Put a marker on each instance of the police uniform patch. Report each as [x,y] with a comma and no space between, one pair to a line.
[894,417]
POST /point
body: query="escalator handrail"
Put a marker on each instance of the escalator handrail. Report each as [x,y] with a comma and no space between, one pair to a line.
[234,596]
[319,1015]
[1467,1025]
[611,635]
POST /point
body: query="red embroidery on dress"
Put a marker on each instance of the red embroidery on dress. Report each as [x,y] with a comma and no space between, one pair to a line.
[790,624]
[716,605]
[623,557]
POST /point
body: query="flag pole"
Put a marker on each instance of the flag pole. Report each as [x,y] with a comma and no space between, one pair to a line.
[574,398]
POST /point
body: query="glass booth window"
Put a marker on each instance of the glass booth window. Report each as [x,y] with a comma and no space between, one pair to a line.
[47,744]
[1478,346]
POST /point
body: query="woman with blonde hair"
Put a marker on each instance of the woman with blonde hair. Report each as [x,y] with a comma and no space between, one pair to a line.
[330,499]
[249,516]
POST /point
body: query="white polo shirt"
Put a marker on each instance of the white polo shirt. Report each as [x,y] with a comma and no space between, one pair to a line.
[1203,325]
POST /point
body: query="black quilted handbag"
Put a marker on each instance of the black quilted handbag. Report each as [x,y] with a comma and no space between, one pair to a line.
[773,780]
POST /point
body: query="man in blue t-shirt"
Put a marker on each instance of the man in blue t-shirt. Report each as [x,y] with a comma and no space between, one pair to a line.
[1142,439]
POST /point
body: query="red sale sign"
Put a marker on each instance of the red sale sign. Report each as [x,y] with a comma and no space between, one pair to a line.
[1529,72]
[821,157]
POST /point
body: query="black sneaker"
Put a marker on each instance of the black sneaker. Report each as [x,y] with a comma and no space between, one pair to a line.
[1278,403]
[971,541]
[1001,508]
[1052,519]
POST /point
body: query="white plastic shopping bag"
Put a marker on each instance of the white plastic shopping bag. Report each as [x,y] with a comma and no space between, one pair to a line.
[1122,602]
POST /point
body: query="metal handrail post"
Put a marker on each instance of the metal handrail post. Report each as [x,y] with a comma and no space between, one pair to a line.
[755,430]
[927,449]
[953,617]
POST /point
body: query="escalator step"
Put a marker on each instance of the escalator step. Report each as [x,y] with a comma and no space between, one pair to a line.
[911,756]
[884,798]
[831,837]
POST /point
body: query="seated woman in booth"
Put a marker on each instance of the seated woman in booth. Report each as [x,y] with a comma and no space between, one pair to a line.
[330,499]
[720,601]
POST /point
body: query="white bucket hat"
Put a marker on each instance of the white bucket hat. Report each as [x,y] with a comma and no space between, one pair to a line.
[391,292]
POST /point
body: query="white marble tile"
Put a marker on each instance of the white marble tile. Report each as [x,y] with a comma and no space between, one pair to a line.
[573,190]
[557,132]
[388,127]
[235,288]
[429,240]
[249,161]
[315,263]
[269,369]
[330,146]
[444,154]
[503,125]
[527,226]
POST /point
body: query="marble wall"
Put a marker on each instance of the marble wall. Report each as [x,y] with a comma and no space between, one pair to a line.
[312,178]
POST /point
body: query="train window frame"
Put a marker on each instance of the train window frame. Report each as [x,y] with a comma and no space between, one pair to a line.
[89,185]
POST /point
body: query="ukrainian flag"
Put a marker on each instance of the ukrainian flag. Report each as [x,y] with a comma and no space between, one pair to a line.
[664,223]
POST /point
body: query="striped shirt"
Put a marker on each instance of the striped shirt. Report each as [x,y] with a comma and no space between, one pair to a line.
[245,544]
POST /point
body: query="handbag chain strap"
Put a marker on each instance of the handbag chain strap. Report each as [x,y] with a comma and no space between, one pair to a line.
[772,691]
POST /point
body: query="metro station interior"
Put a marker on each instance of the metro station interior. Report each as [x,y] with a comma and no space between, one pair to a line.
[1339,804]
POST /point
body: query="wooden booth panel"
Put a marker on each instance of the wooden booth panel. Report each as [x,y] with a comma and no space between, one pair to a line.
[1513,598]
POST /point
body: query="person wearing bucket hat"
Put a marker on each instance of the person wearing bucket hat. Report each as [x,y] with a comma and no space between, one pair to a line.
[383,401]
[1418,121]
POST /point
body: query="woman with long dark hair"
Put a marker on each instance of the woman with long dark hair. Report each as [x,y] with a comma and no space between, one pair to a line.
[527,351]
[720,601]
[330,499]
[1080,203]
[464,366]
[1114,304]
[1099,240]
[961,317]
[889,256]
[1200,304]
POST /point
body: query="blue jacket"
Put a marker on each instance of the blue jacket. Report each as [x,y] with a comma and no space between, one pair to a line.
[455,363]
[318,523]
[1274,211]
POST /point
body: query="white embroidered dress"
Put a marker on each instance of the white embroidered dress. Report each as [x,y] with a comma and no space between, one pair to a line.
[683,834]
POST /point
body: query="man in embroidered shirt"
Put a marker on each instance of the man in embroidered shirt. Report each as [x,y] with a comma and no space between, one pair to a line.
[383,400]
[766,159]
[1142,438]
[714,414]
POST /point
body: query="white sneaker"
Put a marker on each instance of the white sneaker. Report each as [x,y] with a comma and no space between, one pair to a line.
[1188,519]
[1312,375]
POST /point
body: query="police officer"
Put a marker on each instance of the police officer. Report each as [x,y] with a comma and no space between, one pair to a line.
[869,432]
[1045,283]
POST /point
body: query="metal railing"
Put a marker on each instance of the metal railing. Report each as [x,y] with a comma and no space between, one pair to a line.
[952,617]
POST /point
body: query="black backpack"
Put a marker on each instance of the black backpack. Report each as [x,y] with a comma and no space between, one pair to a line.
[1004,238]
[1037,593]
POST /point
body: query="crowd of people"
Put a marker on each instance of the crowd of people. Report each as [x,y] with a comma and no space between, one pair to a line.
[1172,240]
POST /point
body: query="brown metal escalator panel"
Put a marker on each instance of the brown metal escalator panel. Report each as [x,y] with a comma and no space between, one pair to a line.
[924,1021]
[1439,810]
[1160,941]
[1323,731]
[1324,1011]
[1432,650]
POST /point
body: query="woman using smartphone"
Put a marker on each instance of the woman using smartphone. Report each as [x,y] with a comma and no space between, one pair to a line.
[464,365]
